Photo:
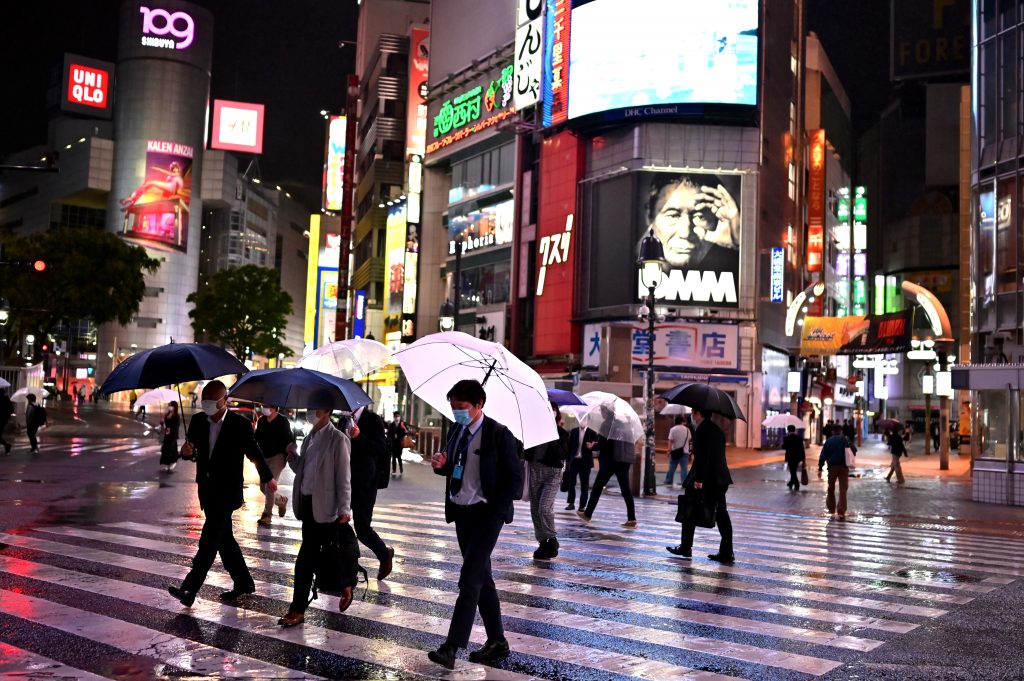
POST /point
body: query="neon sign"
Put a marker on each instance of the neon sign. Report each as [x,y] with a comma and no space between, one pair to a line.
[88,86]
[334,166]
[553,249]
[465,109]
[160,22]
[778,269]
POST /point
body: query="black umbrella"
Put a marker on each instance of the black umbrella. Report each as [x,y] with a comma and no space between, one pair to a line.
[170,364]
[300,388]
[704,396]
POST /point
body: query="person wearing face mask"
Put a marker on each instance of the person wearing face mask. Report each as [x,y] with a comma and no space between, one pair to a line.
[275,438]
[483,476]
[322,496]
[217,440]
[169,448]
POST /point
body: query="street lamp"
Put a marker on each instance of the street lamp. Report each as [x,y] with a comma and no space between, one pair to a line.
[446,317]
[653,266]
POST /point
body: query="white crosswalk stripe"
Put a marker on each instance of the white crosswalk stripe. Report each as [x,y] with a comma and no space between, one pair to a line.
[804,598]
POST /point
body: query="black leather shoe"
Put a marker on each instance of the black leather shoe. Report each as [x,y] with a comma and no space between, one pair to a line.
[492,651]
[187,598]
[725,560]
[679,551]
[553,547]
[542,552]
[444,656]
[234,594]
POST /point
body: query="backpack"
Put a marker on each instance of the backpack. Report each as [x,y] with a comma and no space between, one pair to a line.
[381,452]
[338,566]
[39,416]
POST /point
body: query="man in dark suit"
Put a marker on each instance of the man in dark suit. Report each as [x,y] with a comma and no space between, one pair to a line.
[483,476]
[369,444]
[580,463]
[710,474]
[795,456]
[217,440]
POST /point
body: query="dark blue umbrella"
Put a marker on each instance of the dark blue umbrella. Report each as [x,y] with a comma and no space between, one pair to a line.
[564,398]
[704,396]
[301,389]
[169,364]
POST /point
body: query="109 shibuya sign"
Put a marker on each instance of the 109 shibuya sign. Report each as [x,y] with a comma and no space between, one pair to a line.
[157,23]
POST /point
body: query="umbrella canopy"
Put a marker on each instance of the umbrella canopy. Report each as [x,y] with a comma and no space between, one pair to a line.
[353,358]
[783,421]
[890,424]
[564,398]
[22,393]
[673,410]
[170,364]
[516,396]
[704,396]
[4,384]
[300,388]
[158,396]
[611,417]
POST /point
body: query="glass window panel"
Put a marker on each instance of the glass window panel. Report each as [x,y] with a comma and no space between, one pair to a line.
[1007,13]
[1008,88]
[989,94]
[988,14]
[1006,236]
[986,242]
[993,424]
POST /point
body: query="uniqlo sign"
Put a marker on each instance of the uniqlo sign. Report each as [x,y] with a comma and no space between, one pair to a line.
[87,86]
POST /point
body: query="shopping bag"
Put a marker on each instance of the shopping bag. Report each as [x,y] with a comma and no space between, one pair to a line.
[851,458]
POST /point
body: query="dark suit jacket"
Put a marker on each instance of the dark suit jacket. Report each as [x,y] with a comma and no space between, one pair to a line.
[371,443]
[709,466]
[501,471]
[586,456]
[794,446]
[220,476]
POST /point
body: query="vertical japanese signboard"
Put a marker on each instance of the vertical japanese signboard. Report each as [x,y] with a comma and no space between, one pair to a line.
[816,202]
[334,164]
[529,55]
[556,61]
[778,271]
[416,110]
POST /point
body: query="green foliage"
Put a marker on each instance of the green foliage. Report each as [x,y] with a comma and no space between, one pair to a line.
[243,308]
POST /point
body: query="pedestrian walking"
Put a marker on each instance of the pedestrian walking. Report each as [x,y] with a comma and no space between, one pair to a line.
[483,476]
[710,475]
[849,431]
[833,453]
[276,440]
[397,431]
[322,497]
[369,449]
[133,397]
[169,446]
[195,397]
[217,440]
[935,434]
[545,469]
[795,456]
[6,412]
[581,449]
[898,450]
[614,458]
[35,418]
[679,441]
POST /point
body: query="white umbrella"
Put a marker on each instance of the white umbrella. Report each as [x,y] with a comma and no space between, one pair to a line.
[22,393]
[611,417]
[354,358]
[4,384]
[783,421]
[516,395]
[157,396]
[673,410]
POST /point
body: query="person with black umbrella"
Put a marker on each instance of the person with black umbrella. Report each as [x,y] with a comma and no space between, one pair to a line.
[710,477]
[217,440]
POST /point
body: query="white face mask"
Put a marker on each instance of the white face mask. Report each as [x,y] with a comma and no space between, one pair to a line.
[210,407]
[312,418]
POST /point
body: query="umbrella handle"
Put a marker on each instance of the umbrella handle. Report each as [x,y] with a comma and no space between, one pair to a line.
[494,364]
[181,409]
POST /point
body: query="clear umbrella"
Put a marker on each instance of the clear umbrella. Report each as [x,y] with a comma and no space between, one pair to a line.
[783,421]
[354,358]
[22,393]
[158,396]
[611,417]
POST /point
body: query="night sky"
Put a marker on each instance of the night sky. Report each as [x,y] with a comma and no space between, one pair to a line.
[285,54]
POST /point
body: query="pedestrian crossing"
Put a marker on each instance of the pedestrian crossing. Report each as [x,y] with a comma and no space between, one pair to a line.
[805,597]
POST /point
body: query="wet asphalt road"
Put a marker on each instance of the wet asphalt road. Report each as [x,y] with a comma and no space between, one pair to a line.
[919,584]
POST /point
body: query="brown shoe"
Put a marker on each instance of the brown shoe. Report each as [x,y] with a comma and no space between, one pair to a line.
[345,600]
[265,520]
[291,619]
[386,565]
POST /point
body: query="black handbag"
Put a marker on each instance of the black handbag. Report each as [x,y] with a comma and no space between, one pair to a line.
[695,509]
[803,474]
[338,566]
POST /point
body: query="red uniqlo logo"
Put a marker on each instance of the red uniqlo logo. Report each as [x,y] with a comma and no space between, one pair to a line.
[88,86]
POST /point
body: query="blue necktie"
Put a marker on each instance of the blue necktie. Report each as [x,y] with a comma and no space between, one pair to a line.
[461,452]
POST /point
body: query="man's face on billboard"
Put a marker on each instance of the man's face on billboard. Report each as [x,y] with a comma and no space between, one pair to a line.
[680,223]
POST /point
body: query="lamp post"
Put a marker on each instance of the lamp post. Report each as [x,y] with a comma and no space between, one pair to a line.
[927,387]
[652,266]
[446,317]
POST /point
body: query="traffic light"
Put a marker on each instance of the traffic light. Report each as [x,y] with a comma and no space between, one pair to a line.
[39,265]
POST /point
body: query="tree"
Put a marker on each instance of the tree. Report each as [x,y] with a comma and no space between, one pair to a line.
[90,274]
[244,309]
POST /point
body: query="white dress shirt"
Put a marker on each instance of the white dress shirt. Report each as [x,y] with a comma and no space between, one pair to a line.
[470,492]
[215,427]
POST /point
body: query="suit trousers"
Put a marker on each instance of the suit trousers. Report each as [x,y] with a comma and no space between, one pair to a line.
[722,519]
[217,537]
[396,458]
[794,474]
[841,475]
[364,498]
[620,469]
[543,489]
[32,441]
[477,528]
[575,470]
[314,535]
[276,465]
[896,468]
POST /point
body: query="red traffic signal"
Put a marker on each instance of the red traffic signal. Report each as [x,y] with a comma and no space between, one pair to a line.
[39,265]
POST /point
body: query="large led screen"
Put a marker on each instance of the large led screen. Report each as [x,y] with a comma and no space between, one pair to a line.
[646,54]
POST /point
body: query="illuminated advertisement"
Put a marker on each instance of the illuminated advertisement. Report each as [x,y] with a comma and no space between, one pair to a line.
[555,69]
[167,30]
[529,55]
[158,210]
[481,228]
[394,249]
[474,109]
[409,293]
[778,270]
[857,334]
[816,202]
[87,86]
[334,164]
[690,345]
[327,304]
[696,216]
[416,111]
[359,315]
[645,56]
[237,126]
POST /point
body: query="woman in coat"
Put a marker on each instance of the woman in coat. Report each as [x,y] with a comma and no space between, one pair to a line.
[169,448]
[321,497]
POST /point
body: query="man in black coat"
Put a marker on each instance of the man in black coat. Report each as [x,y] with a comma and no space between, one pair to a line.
[369,443]
[795,455]
[483,476]
[6,411]
[710,474]
[579,465]
[217,440]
